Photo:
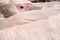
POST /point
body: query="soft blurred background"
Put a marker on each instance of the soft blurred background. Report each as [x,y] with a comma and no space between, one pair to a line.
[43,0]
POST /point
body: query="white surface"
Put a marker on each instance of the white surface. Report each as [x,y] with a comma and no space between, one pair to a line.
[47,29]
